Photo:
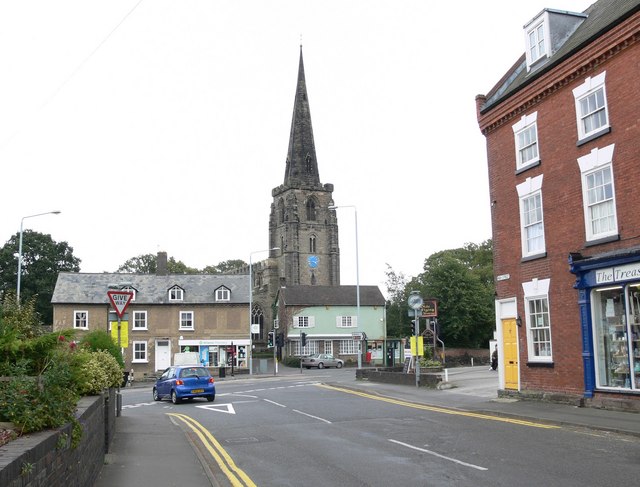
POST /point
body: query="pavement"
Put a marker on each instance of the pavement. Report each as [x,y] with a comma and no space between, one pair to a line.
[144,452]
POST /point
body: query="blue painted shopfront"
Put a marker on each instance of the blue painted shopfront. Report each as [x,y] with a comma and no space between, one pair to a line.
[609,299]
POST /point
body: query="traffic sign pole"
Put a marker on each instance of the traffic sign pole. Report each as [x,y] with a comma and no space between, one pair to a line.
[119,300]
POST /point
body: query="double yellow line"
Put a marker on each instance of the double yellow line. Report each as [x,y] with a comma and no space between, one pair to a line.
[236,475]
[436,409]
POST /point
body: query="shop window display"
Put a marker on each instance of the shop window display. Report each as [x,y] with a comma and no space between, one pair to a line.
[616,321]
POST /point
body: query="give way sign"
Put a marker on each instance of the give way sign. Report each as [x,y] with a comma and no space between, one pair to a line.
[120,300]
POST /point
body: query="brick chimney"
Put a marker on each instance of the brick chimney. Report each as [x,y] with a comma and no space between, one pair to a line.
[161,264]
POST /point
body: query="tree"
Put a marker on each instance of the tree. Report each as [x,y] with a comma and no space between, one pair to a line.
[462,281]
[224,267]
[148,264]
[397,323]
[42,260]
[142,264]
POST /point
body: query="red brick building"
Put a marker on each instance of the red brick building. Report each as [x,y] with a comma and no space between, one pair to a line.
[563,145]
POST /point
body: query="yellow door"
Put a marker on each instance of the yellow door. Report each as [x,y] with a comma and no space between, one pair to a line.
[510,351]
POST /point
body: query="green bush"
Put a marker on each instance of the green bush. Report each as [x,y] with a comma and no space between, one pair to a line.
[101,340]
[34,403]
[291,361]
[96,371]
[427,362]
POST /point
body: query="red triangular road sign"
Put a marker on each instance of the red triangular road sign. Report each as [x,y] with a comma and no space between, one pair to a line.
[120,300]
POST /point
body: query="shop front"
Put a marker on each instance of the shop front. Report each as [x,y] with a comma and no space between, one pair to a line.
[609,300]
[218,353]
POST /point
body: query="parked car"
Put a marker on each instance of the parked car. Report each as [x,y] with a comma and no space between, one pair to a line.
[321,360]
[184,382]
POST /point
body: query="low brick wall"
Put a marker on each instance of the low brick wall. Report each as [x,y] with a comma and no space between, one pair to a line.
[461,357]
[394,375]
[46,459]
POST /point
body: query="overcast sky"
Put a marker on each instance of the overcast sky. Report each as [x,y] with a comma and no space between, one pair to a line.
[164,125]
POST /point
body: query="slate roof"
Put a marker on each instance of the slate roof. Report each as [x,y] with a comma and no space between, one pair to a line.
[331,296]
[602,16]
[87,288]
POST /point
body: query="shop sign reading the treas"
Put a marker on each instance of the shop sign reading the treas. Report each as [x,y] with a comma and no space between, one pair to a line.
[616,274]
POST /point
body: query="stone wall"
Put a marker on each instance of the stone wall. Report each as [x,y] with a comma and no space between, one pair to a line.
[46,458]
[395,375]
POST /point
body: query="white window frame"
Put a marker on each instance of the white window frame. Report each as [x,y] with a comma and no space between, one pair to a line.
[537,36]
[176,293]
[537,290]
[328,347]
[527,126]
[529,190]
[348,346]
[310,348]
[84,319]
[598,161]
[184,317]
[304,321]
[590,88]
[223,294]
[139,317]
[140,352]
[346,321]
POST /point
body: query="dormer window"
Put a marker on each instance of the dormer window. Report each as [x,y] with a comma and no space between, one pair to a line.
[536,42]
[547,32]
[176,293]
[223,294]
[130,290]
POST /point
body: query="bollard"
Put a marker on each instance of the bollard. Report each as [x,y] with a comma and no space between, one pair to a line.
[118,404]
[446,374]
[471,361]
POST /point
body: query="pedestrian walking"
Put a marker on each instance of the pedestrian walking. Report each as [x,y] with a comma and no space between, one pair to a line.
[494,359]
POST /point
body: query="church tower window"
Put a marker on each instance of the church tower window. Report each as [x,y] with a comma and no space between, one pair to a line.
[312,244]
[311,209]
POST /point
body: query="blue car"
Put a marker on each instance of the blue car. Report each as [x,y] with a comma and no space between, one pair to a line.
[184,382]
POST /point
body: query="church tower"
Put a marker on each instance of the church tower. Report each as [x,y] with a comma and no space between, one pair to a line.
[301,224]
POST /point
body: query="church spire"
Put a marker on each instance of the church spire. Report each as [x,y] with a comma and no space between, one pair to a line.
[302,166]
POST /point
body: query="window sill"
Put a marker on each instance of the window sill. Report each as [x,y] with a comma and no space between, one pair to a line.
[534,257]
[593,136]
[617,390]
[546,365]
[528,166]
[603,240]
[139,361]
[140,329]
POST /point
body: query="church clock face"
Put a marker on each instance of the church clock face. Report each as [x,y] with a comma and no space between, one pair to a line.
[313,261]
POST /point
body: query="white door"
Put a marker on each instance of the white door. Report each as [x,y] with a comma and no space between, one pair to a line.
[163,354]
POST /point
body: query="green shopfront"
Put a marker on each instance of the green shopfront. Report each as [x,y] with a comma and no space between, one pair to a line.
[609,301]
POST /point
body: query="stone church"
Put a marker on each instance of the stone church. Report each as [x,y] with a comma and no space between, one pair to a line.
[303,229]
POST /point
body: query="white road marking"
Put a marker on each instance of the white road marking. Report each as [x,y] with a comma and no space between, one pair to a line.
[459,462]
[131,406]
[311,416]
[220,408]
[274,403]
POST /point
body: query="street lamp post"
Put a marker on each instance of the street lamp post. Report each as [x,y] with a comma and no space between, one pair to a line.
[250,348]
[355,212]
[20,249]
